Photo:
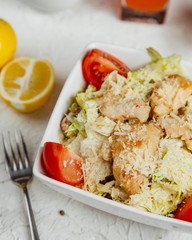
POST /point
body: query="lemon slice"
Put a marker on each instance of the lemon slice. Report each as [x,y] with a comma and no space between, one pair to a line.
[26,84]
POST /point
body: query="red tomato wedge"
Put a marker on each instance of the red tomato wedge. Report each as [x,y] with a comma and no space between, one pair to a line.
[62,164]
[97,64]
[184,211]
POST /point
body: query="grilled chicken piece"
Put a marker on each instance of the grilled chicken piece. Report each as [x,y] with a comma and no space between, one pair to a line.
[116,107]
[170,95]
[178,127]
[133,150]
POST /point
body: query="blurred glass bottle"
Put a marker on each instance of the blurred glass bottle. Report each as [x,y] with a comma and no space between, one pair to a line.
[143,10]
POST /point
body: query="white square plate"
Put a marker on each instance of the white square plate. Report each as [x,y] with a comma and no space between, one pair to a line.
[134,59]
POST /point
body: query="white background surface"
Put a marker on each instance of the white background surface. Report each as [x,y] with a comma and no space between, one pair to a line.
[60,38]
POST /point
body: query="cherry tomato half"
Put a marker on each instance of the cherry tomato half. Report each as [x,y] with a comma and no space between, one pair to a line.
[184,211]
[62,164]
[97,64]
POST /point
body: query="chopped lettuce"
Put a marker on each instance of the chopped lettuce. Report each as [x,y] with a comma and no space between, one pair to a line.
[144,80]
[174,169]
[116,193]
[75,126]
[153,54]
[158,199]
[88,113]
[82,97]
[73,107]
[90,108]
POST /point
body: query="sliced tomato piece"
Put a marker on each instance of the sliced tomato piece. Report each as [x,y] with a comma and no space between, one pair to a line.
[63,164]
[97,64]
[184,211]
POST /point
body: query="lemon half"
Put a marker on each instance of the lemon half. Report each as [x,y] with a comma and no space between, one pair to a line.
[26,84]
[7,42]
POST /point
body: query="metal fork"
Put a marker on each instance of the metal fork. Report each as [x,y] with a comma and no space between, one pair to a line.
[20,170]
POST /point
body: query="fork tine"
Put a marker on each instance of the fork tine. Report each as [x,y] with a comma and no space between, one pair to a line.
[12,143]
[22,161]
[5,147]
[27,161]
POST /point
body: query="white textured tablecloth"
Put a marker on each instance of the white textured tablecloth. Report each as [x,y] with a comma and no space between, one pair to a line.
[60,37]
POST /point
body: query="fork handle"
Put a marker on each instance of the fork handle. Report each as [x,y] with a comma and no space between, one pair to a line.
[32,224]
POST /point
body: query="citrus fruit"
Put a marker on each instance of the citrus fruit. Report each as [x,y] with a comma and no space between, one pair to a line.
[26,84]
[7,42]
